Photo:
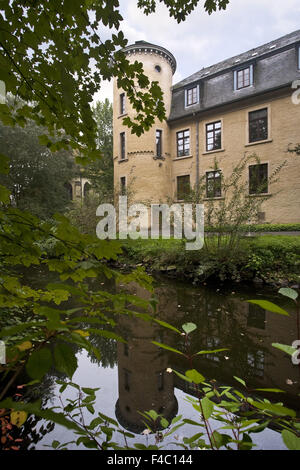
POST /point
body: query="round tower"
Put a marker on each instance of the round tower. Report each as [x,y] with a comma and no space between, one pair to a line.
[142,164]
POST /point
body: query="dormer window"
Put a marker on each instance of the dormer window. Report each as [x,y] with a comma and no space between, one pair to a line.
[192,96]
[243,77]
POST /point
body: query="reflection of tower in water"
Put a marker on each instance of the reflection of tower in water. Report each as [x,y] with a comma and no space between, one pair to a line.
[144,383]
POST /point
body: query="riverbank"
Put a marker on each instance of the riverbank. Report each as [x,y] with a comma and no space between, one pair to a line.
[270,260]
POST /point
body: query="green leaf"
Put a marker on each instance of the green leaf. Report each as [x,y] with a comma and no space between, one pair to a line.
[164,346]
[183,377]
[291,440]
[287,292]
[285,348]
[195,376]
[55,444]
[164,423]
[207,407]
[275,409]
[167,325]
[189,327]
[272,390]
[240,380]
[4,195]
[211,351]
[4,163]
[65,359]
[218,440]
[39,363]
[269,306]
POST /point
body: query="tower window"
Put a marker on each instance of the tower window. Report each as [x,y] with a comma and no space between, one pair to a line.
[158,143]
[122,103]
[127,380]
[158,68]
[122,145]
[123,185]
[160,381]
[183,143]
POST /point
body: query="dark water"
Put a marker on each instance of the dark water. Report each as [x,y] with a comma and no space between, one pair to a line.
[133,377]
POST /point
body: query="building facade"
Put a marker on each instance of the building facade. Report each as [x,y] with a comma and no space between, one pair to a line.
[246,105]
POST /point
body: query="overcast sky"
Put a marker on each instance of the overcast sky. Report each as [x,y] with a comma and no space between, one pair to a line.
[204,40]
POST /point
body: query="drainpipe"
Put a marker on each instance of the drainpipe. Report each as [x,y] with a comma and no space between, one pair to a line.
[197,158]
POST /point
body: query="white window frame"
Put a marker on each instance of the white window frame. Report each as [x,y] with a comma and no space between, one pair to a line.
[235,77]
[186,105]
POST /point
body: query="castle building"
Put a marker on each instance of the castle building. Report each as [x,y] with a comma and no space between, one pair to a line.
[249,104]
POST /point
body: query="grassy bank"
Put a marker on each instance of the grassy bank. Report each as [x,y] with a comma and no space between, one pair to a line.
[274,260]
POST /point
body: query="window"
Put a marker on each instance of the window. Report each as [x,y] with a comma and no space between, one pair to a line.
[122,145]
[213,342]
[298,57]
[183,186]
[213,184]
[122,103]
[158,68]
[183,143]
[258,125]
[258,178]
[213,136]
[127,380]
[256,317]
[256,361]
[243,78]
[160,381]
[192,96]
[123,185]
[158,143]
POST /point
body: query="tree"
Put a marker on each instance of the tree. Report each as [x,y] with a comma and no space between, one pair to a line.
[100,172]
[37,177]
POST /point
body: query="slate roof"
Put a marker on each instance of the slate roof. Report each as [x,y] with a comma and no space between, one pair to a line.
[275,65]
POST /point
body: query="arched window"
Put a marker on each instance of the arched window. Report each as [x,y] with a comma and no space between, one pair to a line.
[86,189]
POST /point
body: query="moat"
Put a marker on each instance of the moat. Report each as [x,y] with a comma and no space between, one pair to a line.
[133,377]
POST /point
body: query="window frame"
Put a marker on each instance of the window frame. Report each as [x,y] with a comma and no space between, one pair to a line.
[261,183]
[122,146]
[122,104]
[249,67]
[214,149]
[259,138]
[214,179]
[158,143]
[122,185]
[195,89]
[183,138]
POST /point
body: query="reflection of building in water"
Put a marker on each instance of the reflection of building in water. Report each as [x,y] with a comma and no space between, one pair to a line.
[222,322]
[144,383]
